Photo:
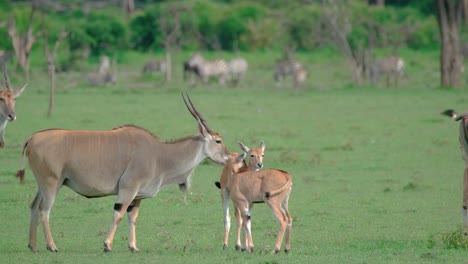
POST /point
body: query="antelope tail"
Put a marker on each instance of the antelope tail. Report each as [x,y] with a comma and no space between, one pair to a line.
[20,173]
[280,190]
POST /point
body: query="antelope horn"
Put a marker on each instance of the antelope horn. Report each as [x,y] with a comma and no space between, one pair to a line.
[199,115]
[7,80]
[190,109]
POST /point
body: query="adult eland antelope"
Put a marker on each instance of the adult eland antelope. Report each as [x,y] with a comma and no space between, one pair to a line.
[463,137]
[7,105]
[127,161]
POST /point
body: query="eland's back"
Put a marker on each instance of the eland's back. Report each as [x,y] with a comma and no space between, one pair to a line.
[90,162]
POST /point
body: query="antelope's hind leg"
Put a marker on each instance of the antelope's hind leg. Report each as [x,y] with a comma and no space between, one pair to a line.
[33,222]
[45,205]
[275,204]
[287,246]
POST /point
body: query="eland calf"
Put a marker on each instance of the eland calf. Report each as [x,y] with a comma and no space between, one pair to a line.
[255,163]
[270,186]
[7,105]
[463,138]
[127,161]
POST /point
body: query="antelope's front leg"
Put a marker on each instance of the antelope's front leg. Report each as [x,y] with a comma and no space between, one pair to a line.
[238,228]
[2,139]
[247,226]
[119,211]
[132,212]
[227,217]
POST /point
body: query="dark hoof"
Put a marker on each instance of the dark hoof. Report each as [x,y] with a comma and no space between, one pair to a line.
[52,250]
[287,251]
[106,248]
[225,246]
[276,251]
[238,248]
[32,249]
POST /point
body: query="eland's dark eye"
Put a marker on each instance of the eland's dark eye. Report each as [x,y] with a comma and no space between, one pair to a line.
[218,141]
[252,156]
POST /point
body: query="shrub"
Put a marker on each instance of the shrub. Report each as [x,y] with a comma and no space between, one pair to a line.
[108,34]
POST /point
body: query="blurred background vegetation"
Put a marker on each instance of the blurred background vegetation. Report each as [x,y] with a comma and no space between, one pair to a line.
[357,31]
[227,25]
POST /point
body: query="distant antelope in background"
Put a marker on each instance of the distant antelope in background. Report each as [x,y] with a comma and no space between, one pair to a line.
[7,105]
[463,138]
[270,186]
[392,67]
[255,163]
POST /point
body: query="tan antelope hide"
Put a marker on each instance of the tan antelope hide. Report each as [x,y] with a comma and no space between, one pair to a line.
[255,163]
[268,185]
[127,161]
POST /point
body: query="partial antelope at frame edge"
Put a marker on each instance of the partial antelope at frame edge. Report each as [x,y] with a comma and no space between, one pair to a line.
[127,161]
[463,138]
[271,186]
[7,105]
[255,163]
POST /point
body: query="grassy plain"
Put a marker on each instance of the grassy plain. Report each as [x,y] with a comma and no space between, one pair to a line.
[377,171]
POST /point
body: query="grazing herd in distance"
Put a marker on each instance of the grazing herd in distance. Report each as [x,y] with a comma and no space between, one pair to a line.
[198,69]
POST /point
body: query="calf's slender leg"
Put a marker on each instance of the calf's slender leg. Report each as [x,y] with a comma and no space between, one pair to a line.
[227,216]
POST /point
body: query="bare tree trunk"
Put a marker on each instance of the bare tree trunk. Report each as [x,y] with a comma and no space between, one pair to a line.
[23,44]
[171,33]
[337,21]
[50,57]
[168,75]
[465,11]
[128,7]
[448,16]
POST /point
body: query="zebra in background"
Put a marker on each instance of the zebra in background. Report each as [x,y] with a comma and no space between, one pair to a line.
[292,67]
[205,69]
[154,66]
[237,69]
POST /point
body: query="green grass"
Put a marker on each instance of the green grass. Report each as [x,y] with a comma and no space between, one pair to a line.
[377,172]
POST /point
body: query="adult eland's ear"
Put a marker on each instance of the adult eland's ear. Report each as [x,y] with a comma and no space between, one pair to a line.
[243,147]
